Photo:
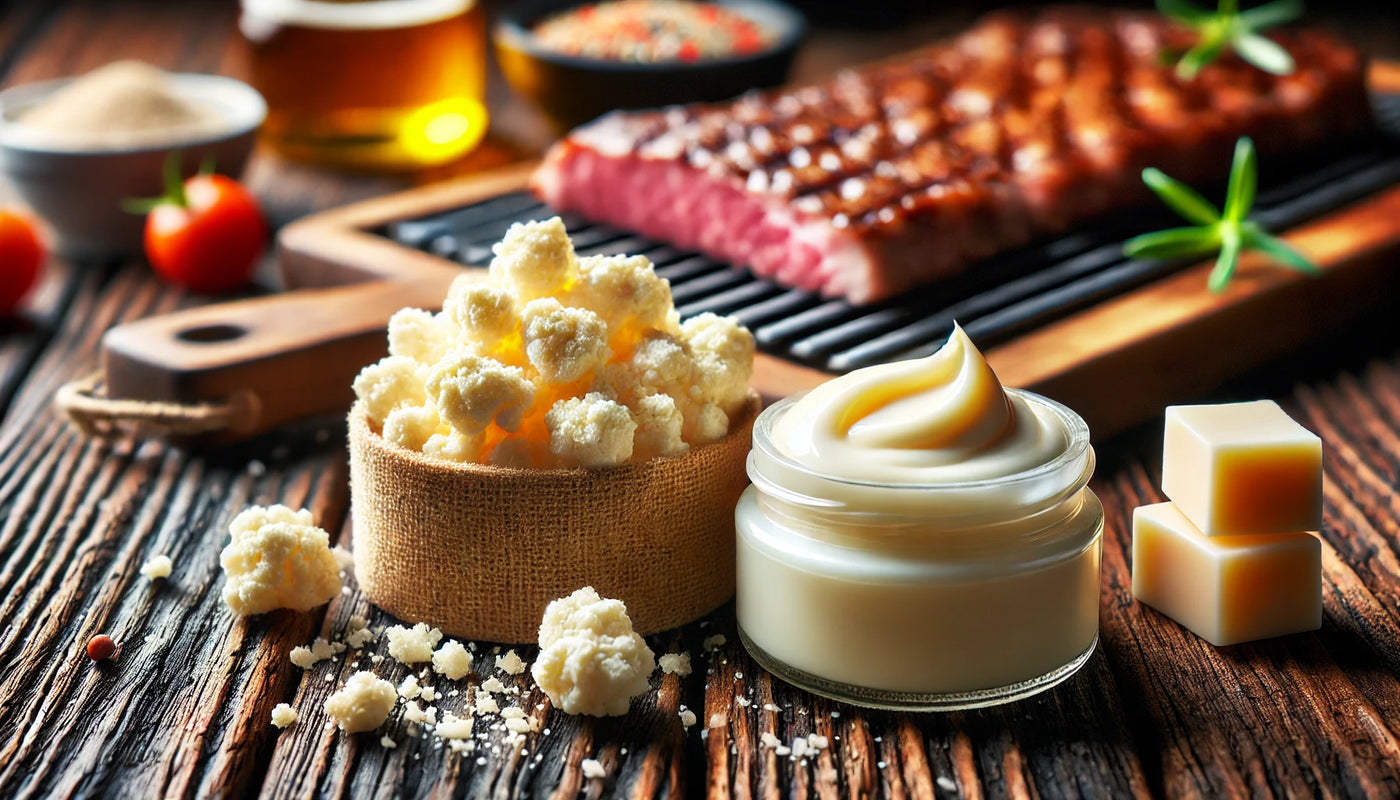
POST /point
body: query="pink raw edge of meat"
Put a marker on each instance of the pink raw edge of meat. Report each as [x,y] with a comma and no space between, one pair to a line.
[692,209]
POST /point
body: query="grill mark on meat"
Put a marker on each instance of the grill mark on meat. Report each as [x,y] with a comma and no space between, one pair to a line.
[886,176]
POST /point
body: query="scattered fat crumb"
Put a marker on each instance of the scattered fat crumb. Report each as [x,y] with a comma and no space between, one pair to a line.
[302,657]
[429,694]
[815,741]
[593,768]
[359,638]
[714,642]
[676,663]
[493,685]
[452,660]
[486,704]
[836,715]
[454,727]
[412,712]
[283,715]
[716,720]
[158,567]
[769,740]
[742,702]
[800,748]
[946,783]
[388,742]
[510,663]
[514,712]
[518,725]
[687,717]
[363,703]
[410,689]
[376,658]
[413,645]
[782,750]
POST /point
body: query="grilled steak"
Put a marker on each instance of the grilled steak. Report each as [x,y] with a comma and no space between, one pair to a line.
[896,174]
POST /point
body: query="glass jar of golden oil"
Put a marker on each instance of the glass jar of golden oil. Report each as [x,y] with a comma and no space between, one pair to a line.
[370,84]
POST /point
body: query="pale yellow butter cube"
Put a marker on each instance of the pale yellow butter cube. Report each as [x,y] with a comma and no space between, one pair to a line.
[1226,589]
[1242,468]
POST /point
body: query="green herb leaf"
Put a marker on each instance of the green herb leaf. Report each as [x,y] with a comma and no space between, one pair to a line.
[1228,27]
[1173,243]
[1264,53]
[1244,181]
[1278,250]
[1181,198]
[1203,53]
[1232,234]
[1271,14]
[1231,243]
[1183,10]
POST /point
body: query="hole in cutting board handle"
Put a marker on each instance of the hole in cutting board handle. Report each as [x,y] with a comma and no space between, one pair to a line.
[211,333]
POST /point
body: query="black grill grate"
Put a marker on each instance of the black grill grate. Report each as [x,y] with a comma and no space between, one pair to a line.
[999,298]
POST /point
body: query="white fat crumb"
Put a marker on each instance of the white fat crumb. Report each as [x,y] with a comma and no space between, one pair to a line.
[591,661]
[816,741]
[376,658]
[946,783]
[454,727]
[413,645]
[276,558]
[769,740]
[412,712]
[283,715]
[518,725]
[687,717]
[675,663]
[513,712]
[385,741]
[593,768]
[717,720]
[714,642]
[452,661]
[409,688]
[510,663]
[429,694]
[157,567]
[782,750]
[486,704]
[358,639]
[363,703]
[493,685]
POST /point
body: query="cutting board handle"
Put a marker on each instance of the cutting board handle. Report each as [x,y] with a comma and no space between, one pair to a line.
[280,357]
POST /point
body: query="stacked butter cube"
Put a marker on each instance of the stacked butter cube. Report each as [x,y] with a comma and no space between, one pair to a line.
[1231,556]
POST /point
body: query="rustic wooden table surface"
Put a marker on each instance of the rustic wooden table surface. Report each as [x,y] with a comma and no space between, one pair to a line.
[184,710]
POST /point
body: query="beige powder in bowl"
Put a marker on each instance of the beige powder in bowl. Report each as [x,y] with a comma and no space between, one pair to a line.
[123,104]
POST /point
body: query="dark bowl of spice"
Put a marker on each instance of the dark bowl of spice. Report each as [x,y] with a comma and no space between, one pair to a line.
[577,61]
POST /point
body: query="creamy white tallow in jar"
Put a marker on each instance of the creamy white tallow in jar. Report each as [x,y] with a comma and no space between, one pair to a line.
[917,537]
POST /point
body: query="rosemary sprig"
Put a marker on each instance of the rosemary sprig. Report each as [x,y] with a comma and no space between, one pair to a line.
[1229,231]
[1228,27]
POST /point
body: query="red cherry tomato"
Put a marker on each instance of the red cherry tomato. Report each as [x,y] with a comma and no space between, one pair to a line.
[211,241]
[22,255]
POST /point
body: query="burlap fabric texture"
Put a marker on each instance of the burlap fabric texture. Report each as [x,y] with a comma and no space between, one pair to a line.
[479,551]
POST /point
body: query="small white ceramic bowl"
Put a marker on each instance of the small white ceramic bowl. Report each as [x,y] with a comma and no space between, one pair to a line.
[79,192]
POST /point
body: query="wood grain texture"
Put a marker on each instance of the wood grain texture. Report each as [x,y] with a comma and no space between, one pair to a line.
[183,710]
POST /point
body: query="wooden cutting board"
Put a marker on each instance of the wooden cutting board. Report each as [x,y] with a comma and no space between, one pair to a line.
[1117,363]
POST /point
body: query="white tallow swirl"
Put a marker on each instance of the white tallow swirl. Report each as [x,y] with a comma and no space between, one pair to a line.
[935,420]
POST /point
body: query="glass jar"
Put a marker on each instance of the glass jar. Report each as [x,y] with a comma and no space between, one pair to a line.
[920,597]
[376,84]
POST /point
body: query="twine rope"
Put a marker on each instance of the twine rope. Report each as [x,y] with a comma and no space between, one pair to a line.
[98,415]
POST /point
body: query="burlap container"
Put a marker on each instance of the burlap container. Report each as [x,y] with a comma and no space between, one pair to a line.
[479,551]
